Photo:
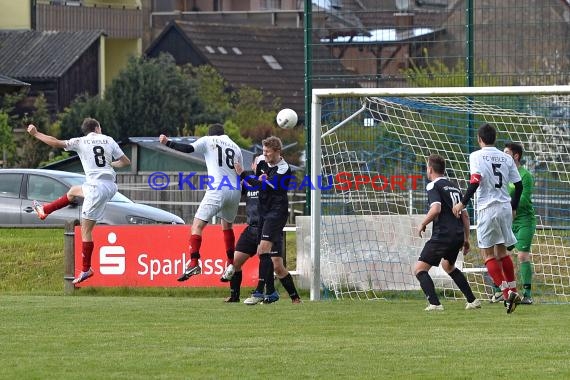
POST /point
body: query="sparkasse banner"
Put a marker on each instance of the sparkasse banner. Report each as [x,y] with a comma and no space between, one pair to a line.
[156,255]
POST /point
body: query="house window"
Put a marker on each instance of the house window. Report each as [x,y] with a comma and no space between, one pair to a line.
[222,50]
[272,62]
[270,4]
[210,49]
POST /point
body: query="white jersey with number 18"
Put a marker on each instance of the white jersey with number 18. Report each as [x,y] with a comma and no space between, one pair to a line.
[96,152]
[494,170]
[220,153]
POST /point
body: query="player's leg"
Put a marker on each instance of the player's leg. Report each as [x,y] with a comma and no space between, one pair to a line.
[246,247]
[428,258]
[228,214]
[489,234]
[270,245]
[44,210]
[283,274]
[235,282]
[524,234]
[448,265]
[209,207]
[96,198]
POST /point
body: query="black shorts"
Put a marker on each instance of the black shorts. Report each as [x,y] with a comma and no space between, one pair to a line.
[249,240]
[434,251]
[272,227]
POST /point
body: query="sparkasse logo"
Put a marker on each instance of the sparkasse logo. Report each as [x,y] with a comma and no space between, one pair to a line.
[112,257]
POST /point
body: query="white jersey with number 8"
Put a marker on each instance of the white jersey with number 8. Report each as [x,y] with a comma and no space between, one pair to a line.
[96,152]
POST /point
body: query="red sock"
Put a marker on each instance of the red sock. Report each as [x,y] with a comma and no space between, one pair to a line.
[60,202]
[495,271]
[509,271]
[87,251]
[195,243]
[230,241]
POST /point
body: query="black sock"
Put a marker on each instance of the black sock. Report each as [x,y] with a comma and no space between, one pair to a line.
[269,276]
[264,263]
[428,287]
[460,280]
[289,286]
[235,285]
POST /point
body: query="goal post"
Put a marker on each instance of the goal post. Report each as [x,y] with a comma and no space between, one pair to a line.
[369,147]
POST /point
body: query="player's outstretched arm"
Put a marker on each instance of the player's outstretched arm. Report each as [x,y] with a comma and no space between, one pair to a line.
[185,148]
[50,140]
[121,162]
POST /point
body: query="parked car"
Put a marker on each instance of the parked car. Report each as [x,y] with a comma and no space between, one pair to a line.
[20,187]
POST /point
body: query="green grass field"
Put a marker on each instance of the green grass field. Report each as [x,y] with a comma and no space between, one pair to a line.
[192,334]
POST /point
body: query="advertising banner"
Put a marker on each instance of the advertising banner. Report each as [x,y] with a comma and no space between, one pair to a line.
[156,255]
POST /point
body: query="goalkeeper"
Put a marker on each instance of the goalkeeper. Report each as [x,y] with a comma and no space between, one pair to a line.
[524,226]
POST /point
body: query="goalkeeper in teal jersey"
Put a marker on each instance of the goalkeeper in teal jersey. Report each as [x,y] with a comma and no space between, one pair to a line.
[524,225]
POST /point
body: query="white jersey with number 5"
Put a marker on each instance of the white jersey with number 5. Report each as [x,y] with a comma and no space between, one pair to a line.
[220,153]
[494,170]
[96,152]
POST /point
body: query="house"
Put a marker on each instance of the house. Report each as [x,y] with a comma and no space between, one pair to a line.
[61,65]
[65,48]
[269,59]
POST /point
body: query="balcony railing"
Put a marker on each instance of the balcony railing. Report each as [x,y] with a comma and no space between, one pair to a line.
[117,21]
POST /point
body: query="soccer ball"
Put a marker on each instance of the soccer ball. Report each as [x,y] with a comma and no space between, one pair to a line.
[287,118]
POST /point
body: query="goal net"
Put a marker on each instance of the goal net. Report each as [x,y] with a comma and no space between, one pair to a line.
[368,154]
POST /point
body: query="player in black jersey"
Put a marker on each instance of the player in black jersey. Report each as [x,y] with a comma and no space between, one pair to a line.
[246,247]
[449,236]
[272,177]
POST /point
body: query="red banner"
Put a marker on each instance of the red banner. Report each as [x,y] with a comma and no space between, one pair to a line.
[146,256]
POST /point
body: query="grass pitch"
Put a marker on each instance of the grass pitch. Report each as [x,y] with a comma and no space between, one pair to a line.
[203,338]
[191,334]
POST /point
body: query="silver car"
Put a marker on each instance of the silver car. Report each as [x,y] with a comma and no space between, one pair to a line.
[20,187]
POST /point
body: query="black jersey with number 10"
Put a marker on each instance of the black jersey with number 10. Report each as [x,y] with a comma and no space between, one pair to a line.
[446,227]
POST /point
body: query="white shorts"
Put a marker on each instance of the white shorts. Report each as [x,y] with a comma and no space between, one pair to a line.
[494,226]
[96,196]
[221,203]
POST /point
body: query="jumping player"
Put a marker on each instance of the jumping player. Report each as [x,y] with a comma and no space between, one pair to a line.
[222,195]
[96,152]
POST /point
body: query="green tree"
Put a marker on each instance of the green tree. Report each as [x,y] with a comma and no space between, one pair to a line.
[153,96]
[7,145]
[70,120]
[33,150]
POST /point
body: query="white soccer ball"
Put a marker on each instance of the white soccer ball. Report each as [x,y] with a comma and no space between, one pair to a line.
[287,118]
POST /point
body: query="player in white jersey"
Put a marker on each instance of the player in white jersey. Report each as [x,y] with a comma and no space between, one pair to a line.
[96,152]
[491,171]
[222,193]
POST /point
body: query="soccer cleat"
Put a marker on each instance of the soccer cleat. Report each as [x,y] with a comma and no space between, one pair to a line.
[83,276]
[497,297]
[189,272]
[270,298]
[473,305]
[228,273]
[434,308]
[39,209]
[296,300]
[231,299]
[513,301]
[255,298]
[526,300]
